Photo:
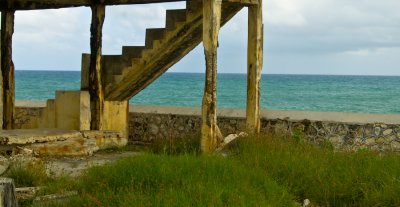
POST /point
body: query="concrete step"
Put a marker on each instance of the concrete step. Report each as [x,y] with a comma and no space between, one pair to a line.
[116,65]
[132,51]
[153,34]
[174,16]
[113,64]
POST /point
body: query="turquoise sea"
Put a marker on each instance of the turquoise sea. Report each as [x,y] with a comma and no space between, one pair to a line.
[370,94]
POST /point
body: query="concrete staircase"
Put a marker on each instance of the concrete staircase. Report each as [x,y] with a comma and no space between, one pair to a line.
[127,74]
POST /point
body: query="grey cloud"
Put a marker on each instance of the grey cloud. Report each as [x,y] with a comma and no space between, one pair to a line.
[338,26]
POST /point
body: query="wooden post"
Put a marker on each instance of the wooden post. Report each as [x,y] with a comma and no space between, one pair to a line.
[210,134]
[7,69]
[95,78]
[7,193]
[254,67]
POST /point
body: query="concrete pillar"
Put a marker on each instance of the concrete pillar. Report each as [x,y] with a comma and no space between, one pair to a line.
[210,133]
[254,67]
[7,70]
[115,113]
[96,89]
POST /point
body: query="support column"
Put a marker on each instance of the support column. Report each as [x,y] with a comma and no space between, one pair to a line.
[254,67]
[7,69]
[210,133]
[95,78]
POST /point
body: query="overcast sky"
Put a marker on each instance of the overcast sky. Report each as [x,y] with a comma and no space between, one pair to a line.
[360,37]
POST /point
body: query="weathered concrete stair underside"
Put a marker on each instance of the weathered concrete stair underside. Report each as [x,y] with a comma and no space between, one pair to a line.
[126,75]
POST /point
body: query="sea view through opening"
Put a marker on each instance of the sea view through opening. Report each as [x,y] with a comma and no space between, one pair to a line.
[365,94]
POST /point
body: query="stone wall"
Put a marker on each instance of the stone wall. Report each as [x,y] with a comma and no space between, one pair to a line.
[347,131]
[28,113]
[345,136]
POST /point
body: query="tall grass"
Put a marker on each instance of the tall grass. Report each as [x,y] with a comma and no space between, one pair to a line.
[188,145]
[27,175]
[187,180]
[263,171]
[324,176]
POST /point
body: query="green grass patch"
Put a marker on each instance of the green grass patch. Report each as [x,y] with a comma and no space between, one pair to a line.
[262,171]
[324,176]
[187,145]
[161,180]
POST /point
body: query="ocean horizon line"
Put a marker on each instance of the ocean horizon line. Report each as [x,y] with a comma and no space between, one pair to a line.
[288,74]
[373,94]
